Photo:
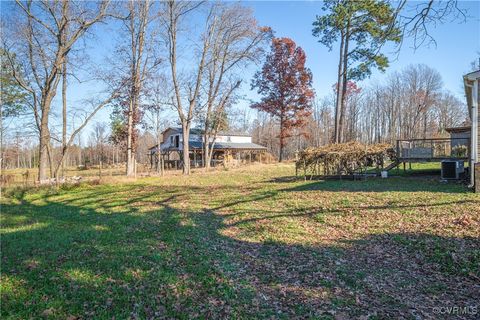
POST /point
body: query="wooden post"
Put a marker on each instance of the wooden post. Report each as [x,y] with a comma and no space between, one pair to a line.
[304,170]
[162,165]
[135,167]
[476,171]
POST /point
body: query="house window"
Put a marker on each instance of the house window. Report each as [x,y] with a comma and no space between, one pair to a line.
[177,141]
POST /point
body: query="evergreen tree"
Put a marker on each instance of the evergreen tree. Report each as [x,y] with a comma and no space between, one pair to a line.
[362,28]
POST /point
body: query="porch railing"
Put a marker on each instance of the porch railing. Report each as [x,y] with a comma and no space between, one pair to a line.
[431,149]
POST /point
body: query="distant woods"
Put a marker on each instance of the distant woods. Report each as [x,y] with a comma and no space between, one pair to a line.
[410,103]
[194,51]
[179,63]
[360,30]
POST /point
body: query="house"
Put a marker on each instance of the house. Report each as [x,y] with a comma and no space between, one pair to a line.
[228,148]
[471,83]
[459,139]
[459,133]
[463,144]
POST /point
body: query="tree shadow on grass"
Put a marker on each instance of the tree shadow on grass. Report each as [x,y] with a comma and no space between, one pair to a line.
[292,213]
[395,184]
[62,258]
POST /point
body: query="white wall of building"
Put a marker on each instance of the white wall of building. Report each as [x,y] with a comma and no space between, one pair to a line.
[169,139]
[235,139]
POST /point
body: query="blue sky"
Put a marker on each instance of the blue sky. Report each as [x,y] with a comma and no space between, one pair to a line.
[458,45]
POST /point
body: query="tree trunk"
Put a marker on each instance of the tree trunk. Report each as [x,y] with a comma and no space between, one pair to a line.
[210,154]
[425,124]
[343,94]
[159,150]
[43,148]
[130,154]
[280,152]
[136,73]
[336,137]
[44,140]
[186,147]
[64,115]
[206,148]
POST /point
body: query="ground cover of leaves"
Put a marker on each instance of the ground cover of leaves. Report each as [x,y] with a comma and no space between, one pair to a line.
[247,243]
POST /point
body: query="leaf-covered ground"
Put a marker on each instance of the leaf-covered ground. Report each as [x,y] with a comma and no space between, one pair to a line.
[245,243]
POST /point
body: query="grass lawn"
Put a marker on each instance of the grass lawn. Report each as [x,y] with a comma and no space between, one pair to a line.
[245,243]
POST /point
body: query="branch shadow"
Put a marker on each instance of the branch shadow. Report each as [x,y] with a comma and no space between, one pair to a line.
[71,259]
[395,184]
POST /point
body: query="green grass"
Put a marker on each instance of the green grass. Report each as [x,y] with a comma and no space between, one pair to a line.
[244,243]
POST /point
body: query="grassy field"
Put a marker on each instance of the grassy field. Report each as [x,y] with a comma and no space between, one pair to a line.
[28,176]
[245,243]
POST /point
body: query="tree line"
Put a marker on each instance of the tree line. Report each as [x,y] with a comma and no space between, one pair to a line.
[187,58]
[410,103]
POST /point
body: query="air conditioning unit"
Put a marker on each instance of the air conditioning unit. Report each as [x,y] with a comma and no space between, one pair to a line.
[451,169]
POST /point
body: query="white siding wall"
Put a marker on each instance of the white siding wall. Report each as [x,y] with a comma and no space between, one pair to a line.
[236,139]
[167,143]
[478,120]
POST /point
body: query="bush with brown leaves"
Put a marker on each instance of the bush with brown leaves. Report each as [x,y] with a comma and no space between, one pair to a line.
[344,158]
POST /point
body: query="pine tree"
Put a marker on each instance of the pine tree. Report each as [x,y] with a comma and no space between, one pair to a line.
[362,28]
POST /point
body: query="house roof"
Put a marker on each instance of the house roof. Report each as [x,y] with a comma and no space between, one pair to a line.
[468,79]
[472,75]
[233,133]
[229,145]
[225,146]
[180,130]
[200,131]
[458,129]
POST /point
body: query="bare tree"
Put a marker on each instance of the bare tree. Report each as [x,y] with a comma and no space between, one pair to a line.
[176,14]
[449,111]
[46,33]
[98,140]
[422,85]
[237,40]
[141,62]
[415,18]
[158,95]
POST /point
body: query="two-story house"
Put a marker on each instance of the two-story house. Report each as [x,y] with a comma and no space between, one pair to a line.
[228,147]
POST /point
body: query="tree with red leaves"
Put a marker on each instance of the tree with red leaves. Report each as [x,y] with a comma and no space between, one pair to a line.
[285,84]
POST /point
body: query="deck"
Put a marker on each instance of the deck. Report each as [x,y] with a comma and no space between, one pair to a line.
[433,150]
